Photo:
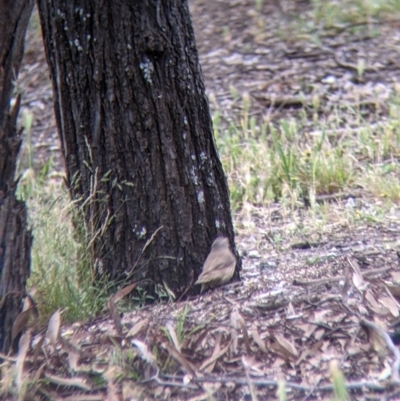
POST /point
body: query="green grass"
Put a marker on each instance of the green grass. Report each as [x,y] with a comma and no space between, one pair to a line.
[60,270]
[338,381]
[272,162]
[329,14]
[324,18]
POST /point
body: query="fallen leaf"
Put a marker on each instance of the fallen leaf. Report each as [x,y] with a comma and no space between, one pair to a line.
[180,358]
[320,316]
[53,328]
[358,279]
[237,322]
[23,347]
[20,323]
[346,285]
[394,290]
[359,282]
[374,305]
[308,329]
[245,334]
[215,357]
[137,327]
[73,358]
[216,351]
[83,397]
[247,366]
[286,347]
[390,304]
[257,339]
[74,382]
[174,338]
[122,292]
[38,348]
[197,342]
[234,331]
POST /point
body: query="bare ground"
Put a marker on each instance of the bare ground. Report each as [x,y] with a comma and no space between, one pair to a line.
[278,324]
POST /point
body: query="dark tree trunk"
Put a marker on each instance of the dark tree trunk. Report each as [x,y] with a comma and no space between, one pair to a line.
[15,238]
[136,135]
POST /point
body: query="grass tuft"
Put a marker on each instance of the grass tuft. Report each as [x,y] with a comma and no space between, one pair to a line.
[60,270]
[286,161]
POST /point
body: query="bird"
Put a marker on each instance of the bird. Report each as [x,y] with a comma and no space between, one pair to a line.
[219,266]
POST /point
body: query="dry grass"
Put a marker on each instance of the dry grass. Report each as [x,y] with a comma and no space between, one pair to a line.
[285,161]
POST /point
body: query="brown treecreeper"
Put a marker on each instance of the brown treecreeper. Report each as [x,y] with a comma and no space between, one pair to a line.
[219,266]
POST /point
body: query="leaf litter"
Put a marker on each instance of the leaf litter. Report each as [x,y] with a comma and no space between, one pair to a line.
[290,325]
[231,342]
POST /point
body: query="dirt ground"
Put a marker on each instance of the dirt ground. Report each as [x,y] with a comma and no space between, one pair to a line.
[312,299]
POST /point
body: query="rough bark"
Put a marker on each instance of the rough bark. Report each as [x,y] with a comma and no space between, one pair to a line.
[15,238]
[136,136]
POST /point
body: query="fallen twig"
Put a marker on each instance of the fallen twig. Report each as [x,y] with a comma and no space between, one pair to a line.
[338,278]
[358,385]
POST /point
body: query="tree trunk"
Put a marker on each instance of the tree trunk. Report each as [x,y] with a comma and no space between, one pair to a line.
[15,238]
[137,137]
